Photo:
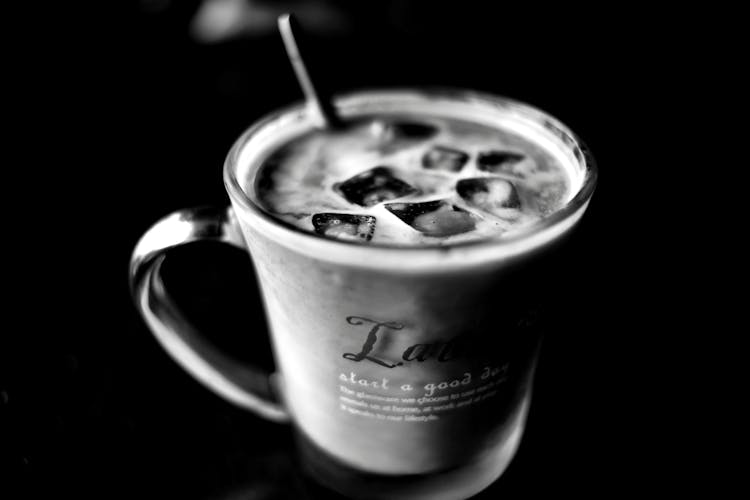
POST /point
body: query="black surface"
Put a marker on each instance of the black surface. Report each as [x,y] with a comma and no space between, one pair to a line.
[136,120]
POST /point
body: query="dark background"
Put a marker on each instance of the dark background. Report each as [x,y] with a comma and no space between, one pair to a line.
[128,115]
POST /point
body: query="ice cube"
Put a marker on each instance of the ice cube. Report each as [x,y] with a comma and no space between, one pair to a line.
[373,186]
[434,218]
[394,136]
[444,158]
[488,193]
[403,130]
[349,227]
[499,161]
[413,130]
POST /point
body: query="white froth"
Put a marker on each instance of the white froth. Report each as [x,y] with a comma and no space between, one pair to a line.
[303,173]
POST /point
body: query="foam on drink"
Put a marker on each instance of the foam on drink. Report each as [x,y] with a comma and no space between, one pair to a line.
[412,181]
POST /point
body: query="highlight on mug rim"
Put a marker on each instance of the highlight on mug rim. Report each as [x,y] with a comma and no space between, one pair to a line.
[249,150]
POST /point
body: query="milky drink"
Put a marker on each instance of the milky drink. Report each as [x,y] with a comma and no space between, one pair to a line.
[403,261]
[406,180]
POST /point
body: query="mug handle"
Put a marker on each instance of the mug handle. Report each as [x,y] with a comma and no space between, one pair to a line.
[245,386]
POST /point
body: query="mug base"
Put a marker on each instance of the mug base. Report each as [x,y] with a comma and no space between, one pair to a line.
[453,484]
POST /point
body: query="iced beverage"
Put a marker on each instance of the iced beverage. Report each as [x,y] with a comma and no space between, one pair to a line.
[412,181]
[403,261]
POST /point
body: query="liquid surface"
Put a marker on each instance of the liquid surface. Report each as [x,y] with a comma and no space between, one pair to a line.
[412,181]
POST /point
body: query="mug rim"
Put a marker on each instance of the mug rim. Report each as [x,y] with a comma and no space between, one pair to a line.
[492,248]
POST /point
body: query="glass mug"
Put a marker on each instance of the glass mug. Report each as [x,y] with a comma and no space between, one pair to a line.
[406,372]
